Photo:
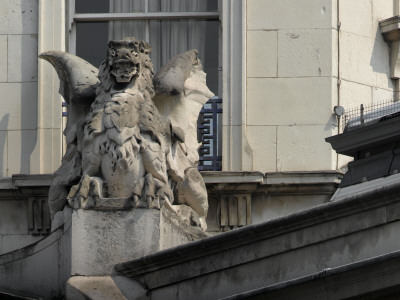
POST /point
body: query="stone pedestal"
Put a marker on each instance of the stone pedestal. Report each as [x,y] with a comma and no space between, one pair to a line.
[101,239]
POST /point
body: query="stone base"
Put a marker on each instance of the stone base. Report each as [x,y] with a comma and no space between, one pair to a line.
[101,239]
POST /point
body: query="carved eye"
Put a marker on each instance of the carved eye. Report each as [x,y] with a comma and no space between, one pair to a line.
[111,52]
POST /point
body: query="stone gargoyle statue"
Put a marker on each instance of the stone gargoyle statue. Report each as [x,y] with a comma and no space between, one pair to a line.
[131,135]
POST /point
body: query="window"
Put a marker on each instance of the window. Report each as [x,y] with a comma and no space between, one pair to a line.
[170,26]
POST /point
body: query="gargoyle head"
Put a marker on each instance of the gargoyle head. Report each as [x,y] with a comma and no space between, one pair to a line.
[123,59]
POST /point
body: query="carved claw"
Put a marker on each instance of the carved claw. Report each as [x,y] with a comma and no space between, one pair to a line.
[153,202]
[85,194]
[86,203]
[138,202]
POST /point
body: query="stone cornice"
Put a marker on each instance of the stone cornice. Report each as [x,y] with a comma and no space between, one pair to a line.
[235,240]
[22,186]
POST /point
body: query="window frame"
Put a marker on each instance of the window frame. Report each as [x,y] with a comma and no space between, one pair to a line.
[74,18]
[236,154]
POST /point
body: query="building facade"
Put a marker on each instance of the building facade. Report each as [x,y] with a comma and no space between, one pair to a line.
[283,66]
[280,68]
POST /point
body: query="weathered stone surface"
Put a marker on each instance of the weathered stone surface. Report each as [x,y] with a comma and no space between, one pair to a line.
[12,221]
[262,44]
[13,242]
[22,58]
[99,288]
[124,149]
[262,140]
[306,52]
[328,236]
[283,205]
[19,16]
[356,54]
[18,98]
[381,95]
[38,270]
[20,147]
[353,94]
[269,100]
[303,148]
[100,239]
[263,14]
[380,66]
[361,25]
[382,10]
[3,152]
[235,149]
[3,57]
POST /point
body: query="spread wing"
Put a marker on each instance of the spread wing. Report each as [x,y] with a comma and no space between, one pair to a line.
[78,82]
[180,93]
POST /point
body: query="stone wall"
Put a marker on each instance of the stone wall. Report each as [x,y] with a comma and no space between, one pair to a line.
[30,114]
[304,58]
[18,85]
[24,214]
[39,270]
[364,55]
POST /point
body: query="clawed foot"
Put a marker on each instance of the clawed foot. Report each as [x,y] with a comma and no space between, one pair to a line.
[153,202]
[153,193]
[138,202]
[85,194]
[149,202]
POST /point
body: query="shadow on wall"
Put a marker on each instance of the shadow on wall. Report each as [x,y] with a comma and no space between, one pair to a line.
[380,58]
[29,85]
[3,145]
[28,120]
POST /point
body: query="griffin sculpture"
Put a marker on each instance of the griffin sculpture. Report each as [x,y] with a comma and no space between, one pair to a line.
[131,136]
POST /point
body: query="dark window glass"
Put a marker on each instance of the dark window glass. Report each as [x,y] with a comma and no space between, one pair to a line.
[91,41]
[92,6]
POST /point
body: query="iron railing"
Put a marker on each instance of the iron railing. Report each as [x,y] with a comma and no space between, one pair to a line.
[370,114]
[209,134]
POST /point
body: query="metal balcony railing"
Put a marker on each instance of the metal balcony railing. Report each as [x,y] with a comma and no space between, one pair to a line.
[209,128]
[370,114]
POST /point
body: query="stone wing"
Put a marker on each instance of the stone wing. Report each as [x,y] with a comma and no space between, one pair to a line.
[78,83]
[181,92]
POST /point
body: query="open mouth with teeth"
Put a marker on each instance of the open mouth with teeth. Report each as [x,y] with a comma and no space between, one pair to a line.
[124,70]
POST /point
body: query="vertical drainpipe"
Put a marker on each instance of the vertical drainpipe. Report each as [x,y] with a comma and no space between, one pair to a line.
[338,24]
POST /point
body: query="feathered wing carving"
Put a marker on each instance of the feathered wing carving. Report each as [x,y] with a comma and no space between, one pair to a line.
[181,92]
[78,83]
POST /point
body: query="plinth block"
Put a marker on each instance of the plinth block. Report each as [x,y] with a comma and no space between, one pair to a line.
[101,239]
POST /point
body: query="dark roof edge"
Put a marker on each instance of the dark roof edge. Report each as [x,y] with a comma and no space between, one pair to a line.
[393,257]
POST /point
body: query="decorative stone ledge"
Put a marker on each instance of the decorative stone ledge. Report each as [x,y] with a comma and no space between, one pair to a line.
[254,181]
[240,198]
[253,186]
[390,29]
[34,189]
